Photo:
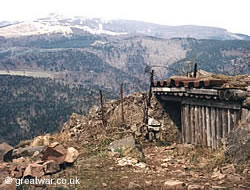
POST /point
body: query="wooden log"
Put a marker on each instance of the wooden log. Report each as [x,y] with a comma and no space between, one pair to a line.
[208,126]
[211,103]
[213,126]
[204,132]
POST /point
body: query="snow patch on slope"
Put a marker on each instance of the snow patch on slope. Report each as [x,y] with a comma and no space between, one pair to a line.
[236,36]
[33,28]
[99,30]
[50,27]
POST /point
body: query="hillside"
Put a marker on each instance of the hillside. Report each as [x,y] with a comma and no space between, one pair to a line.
[221,57]
[122,155]
[32,106]
[133,54]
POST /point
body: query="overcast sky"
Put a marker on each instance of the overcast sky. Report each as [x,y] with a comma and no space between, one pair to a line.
[233,15]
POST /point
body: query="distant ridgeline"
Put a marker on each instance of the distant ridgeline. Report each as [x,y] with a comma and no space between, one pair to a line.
[126,56]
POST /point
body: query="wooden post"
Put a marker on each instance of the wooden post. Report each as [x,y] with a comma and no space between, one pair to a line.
[102,109]
[200,125]
[234,118]
[230,120]
[224,123]
[148,99]
[208,112]
[183,124]
[196,125]
[213,127]
[217,121]
[187,123]
[195,70]
[150,89]
[122,111]
[192,125]
[204,132]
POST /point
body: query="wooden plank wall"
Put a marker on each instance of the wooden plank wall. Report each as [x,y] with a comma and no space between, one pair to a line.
[207,126]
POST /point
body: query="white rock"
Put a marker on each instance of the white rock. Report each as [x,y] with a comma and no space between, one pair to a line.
[141,165]
[72,155]
[164,165]
[195,187]
[153,122]
[133,185]
[174,184]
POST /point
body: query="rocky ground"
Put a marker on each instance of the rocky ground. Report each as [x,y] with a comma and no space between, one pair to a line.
[164,167]
[121,156]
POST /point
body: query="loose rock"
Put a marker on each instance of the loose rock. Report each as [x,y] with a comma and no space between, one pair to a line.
[133,185]
[174,184]
[51,167]
[34,170]
[55,152]
[122,144]
[72,155]
[195,187]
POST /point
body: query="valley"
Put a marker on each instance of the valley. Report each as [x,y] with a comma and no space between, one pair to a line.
[90,58]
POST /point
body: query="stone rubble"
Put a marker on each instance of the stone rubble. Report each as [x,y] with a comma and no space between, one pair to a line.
[53,157]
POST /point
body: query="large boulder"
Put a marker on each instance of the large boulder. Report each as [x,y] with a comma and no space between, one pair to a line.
[55,152]
[123,144]
[127,147]
[72,155]
[5,152]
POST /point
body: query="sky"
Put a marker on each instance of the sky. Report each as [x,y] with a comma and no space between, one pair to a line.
[233,15]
